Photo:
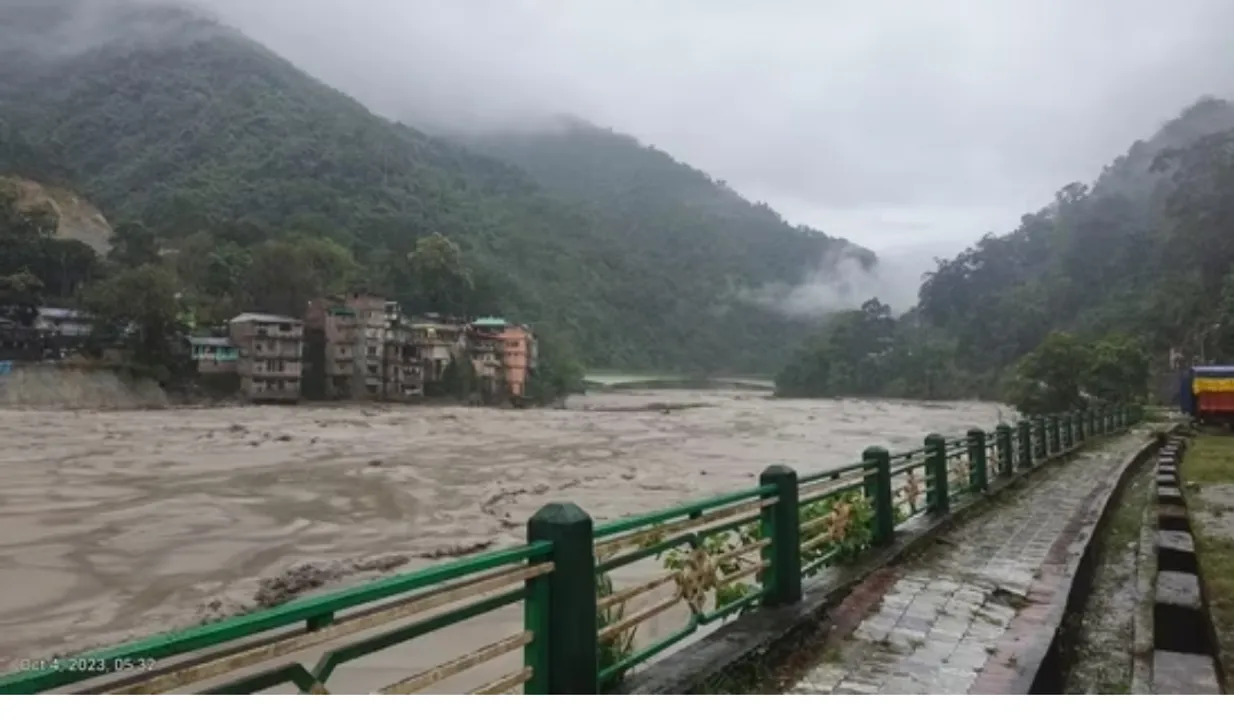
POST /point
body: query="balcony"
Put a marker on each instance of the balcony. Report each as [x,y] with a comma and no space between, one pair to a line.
[271,369]
[283,352]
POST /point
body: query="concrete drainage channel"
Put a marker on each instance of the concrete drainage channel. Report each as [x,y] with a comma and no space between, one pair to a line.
[1183,658]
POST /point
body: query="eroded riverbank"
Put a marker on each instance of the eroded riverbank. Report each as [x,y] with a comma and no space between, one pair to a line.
[115,524]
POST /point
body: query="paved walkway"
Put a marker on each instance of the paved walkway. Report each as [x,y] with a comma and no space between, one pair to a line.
[958,618]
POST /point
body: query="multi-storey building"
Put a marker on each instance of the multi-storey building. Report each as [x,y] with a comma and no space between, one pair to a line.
[404,372]
[438,341]
[270,350]
[360,348]
[504,356]
[374,330]
[334,351]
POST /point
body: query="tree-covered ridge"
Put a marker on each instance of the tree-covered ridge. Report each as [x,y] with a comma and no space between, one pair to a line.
[665,208]
[1135,265]
[696,243]
[214,142]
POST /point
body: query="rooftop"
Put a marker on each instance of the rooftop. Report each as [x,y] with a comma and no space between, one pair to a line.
[263,318]
[490,322]
[210,341]
[54,312]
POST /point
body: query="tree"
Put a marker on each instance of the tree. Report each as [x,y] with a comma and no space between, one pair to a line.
[1118,370]
[141,304]
[1048,379]
[283,275]
[21,294]
[133,245]
[558,372]
[440,280]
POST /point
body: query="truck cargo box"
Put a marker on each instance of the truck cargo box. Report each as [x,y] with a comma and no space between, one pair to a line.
[1207,392]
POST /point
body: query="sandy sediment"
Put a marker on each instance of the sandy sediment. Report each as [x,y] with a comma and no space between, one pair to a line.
[47,387]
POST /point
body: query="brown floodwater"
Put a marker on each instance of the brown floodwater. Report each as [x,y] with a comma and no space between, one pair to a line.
[120,524]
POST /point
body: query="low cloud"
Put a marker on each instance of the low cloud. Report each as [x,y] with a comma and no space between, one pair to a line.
[842,283]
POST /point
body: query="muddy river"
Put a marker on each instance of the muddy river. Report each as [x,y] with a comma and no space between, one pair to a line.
[118,524]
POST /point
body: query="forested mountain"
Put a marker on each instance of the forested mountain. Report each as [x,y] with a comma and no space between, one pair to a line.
[229,153]
[1103,279]
[685,223]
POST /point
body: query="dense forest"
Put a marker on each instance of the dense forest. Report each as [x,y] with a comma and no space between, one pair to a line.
[699,244]
[235,161]
[1082,301]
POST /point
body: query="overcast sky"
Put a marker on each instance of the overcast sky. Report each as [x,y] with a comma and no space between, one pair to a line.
[922,123]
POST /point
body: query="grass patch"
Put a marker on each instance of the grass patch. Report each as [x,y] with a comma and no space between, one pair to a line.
[1209,460]
[1209,463]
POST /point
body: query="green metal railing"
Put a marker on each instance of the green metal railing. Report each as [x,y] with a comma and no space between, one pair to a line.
[691,566]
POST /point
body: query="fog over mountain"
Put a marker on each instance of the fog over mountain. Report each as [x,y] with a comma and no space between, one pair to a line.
[909,129]
[887,122]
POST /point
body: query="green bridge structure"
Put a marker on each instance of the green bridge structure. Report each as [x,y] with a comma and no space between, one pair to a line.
[572,624]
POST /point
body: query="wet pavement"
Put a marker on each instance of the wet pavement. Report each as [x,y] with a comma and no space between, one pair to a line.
[958,618]
[115,525]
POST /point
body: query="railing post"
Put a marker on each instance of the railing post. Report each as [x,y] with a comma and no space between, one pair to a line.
[1077,423]
[1006,462]
[1026,444]
[570,649]
[938,498]
[1064,426]
[1039,439]
[1091,419]
[781,522]
[1055,444]
[878,490]
[977,460]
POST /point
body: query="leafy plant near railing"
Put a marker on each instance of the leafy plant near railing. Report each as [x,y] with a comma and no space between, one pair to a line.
[856,537]
[616,649]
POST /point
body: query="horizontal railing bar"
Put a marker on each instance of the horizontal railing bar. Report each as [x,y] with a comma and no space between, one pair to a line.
[650,651]
[853,485]
[419,604]
[639,522]
[205,636]
[671,529]
[835,473]
[450,668]
[331,660]
[505,683]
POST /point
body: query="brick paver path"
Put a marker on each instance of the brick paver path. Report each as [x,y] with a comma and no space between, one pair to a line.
[952,620]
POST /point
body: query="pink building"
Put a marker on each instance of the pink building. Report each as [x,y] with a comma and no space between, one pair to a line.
[515,351]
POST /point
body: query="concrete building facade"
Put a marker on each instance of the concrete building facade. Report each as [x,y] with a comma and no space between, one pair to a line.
[270,355]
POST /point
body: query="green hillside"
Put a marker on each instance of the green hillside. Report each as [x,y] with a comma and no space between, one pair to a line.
[672,213]
[1106,277]
[213,141]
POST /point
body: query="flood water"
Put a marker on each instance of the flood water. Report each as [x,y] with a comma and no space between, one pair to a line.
[120,524]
